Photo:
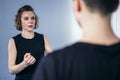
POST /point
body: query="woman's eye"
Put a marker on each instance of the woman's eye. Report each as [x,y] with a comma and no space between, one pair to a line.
[26,18]
[33,18]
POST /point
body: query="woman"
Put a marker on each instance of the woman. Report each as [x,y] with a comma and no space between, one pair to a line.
[26,49]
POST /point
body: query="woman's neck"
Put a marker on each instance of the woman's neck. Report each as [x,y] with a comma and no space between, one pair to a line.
[27,34]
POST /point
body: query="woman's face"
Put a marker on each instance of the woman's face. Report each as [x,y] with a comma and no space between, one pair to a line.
[28,21]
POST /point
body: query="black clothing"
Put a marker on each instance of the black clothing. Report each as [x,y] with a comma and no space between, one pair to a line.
[35,46]
[81,61]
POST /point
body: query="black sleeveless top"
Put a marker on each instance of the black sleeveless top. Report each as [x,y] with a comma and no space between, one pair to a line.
[35,46]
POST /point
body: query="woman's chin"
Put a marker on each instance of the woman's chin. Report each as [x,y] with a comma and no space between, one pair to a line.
[30,30]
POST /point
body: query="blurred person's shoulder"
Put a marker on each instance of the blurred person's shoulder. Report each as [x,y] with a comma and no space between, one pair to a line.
[66,51]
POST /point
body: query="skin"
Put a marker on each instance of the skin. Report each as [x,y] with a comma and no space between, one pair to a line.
[93,33]
[28,24]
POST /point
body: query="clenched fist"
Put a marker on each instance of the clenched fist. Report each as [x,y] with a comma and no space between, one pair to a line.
[29,59]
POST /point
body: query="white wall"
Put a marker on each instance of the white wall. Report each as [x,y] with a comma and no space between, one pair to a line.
[118,22]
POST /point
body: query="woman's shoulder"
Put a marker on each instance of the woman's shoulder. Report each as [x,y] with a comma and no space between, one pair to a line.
[36,33]
[18,35]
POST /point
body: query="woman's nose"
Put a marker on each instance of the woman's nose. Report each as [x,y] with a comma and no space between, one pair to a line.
[31,21]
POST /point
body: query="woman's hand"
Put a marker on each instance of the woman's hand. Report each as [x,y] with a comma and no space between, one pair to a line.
[29,59]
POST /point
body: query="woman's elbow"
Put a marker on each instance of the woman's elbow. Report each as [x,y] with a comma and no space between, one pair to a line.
[11,70]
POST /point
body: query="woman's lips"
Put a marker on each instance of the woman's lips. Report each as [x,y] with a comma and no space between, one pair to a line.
[30,26]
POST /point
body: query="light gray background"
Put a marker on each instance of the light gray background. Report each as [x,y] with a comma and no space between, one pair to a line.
[56,20]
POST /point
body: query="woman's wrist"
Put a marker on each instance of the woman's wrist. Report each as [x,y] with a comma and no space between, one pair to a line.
[25,63]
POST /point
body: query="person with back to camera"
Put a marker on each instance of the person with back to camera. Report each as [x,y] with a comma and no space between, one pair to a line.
[96,56]
[27,48]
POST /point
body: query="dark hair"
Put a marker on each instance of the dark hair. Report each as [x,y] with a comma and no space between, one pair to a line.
[18,16]
[103,6]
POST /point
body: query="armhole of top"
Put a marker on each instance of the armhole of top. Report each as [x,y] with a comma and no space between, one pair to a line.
[14,42]
[43,41]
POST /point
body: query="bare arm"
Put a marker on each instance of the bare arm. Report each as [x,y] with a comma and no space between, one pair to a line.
[48,48]
[12,53]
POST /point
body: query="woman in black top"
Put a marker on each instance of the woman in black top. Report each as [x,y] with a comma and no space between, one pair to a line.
[27,48]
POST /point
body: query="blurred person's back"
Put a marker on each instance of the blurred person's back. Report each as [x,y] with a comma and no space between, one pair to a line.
[96,56]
